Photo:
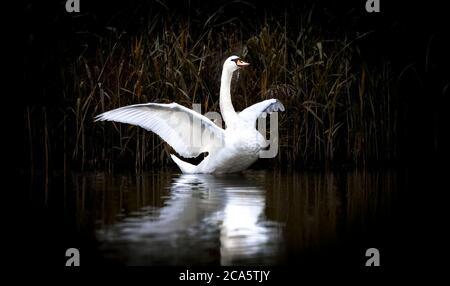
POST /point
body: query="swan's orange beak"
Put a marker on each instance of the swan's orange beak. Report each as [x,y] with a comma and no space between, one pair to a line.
[240,63]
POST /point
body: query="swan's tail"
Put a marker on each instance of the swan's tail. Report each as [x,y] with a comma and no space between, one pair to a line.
[185,167]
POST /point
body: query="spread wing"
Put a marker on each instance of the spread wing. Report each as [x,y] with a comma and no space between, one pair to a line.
[188,132]
[251,113]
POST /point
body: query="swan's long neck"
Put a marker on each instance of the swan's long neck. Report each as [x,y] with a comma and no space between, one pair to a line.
[226,107]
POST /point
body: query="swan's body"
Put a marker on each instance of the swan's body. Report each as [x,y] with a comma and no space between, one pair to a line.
[189,133]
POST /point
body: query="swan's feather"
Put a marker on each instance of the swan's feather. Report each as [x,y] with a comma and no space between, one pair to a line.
[187,131]
[251,113]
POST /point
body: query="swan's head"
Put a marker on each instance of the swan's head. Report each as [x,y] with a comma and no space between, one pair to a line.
[234,63]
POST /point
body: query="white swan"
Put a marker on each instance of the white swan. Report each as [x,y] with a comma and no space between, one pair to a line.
[190,133]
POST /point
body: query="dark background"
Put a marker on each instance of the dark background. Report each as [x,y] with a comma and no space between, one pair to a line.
[407,34]
[410,36]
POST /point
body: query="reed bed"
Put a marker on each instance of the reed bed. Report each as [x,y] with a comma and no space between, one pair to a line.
[339,109]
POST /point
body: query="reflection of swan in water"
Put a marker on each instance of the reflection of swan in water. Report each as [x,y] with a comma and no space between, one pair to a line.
[206,219]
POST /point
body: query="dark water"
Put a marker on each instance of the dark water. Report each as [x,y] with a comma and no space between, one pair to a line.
[255,218]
